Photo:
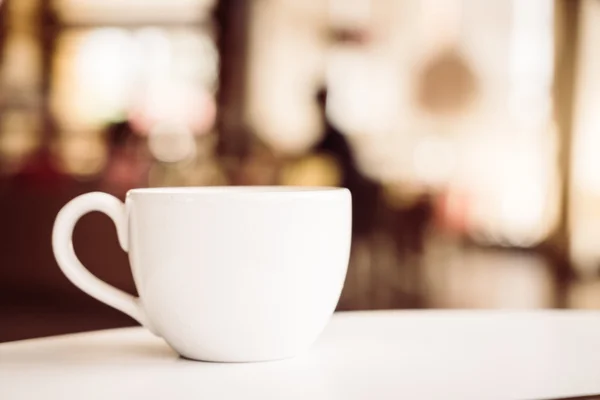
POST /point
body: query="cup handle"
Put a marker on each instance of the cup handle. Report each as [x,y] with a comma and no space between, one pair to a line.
[70,265]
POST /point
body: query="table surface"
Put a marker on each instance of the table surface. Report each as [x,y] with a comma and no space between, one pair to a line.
[361,355]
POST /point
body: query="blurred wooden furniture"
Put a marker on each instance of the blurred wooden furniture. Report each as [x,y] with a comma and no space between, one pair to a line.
[383,355]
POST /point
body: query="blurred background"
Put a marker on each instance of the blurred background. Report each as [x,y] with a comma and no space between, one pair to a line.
[467,132]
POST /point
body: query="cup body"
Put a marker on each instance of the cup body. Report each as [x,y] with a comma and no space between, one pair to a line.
[242,273]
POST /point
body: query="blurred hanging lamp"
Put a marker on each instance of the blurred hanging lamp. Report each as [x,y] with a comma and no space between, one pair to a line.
[447,84]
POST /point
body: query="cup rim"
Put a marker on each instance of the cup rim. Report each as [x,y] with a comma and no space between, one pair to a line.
[237,190]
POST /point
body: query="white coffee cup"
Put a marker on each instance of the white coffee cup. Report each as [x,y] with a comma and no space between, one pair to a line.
[229,274]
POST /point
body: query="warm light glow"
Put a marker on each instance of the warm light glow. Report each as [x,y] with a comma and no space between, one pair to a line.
[91,86]
[585,209]
[285,69]
[531,61]
[434,160]
[174,104]
[171,142]
[315,170]
[81,154]
[513,191]
[19,138]
[364,92]
[352,14]
[22,62]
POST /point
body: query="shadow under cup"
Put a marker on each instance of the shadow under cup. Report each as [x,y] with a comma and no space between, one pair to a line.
[230,274]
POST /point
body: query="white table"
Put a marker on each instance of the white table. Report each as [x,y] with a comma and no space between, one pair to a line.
[370,355]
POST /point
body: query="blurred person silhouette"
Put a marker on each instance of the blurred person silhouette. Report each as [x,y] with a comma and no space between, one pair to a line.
[366,192]
[128,160]
[373,219]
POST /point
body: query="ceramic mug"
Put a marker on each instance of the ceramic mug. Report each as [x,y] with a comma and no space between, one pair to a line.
[226,274]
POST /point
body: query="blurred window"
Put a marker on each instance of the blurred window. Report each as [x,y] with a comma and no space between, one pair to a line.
[107,73]
[585,206]
[152,62]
